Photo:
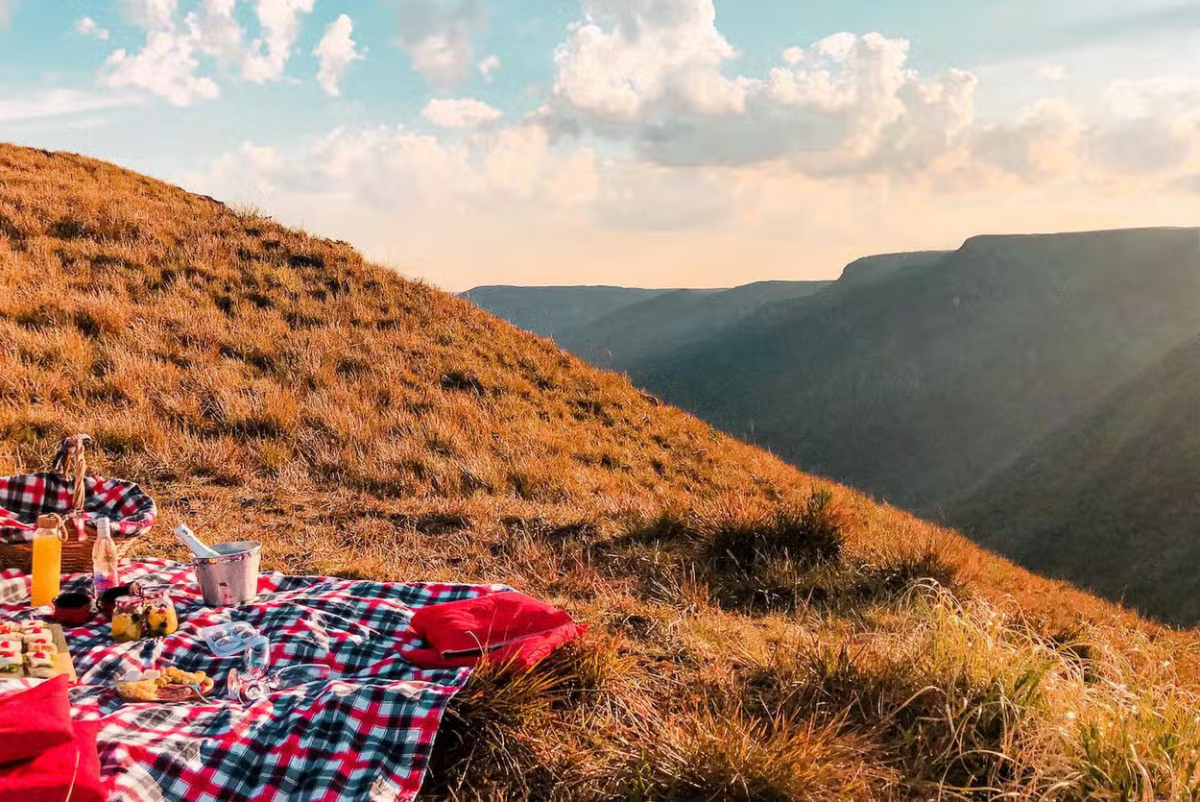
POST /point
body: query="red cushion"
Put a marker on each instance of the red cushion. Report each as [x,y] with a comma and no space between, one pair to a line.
[34,721]
[72,768]
[510,628]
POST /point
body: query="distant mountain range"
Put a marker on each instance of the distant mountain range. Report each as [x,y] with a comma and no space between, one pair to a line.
[1040,392]
[657,328]
[552,311]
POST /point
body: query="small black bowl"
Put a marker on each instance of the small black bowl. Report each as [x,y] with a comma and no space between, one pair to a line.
[74,609]
[108,599]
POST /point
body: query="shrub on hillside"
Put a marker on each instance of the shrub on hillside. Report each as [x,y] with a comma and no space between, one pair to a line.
[812,534]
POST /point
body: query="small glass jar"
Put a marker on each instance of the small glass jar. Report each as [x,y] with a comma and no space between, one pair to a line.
[127,617]
[161,618]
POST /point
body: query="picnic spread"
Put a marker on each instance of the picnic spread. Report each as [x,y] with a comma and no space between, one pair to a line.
[153,680]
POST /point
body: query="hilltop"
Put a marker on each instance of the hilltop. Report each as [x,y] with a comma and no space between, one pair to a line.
[757,633]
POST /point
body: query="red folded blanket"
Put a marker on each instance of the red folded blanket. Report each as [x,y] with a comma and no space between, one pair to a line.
[511,629]
[47,757]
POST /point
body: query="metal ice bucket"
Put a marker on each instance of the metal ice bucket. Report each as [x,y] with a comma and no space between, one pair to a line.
[231,578]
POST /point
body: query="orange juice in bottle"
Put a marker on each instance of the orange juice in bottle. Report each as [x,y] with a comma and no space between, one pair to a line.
[47,561]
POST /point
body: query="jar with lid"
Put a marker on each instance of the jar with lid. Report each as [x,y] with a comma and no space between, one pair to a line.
[127,619]
[161,618]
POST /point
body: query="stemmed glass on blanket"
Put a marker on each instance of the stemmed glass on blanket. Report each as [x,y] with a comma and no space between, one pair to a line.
[254,682]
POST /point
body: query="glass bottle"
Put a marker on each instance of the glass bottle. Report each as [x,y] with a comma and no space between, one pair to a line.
[106,573]
[47,561]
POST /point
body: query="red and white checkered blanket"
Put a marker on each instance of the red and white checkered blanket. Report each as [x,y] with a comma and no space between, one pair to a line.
[366,734]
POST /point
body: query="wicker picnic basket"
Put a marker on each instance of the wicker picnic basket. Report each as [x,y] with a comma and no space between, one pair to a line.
[80,499]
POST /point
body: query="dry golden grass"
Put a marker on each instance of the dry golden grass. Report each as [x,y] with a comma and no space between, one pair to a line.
[757,633]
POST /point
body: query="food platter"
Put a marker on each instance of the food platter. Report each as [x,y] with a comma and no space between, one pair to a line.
[59,657]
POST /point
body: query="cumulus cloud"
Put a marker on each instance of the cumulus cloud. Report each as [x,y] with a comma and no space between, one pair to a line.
[658,74]
[88,27]
[403,170]
[268,55]
[437,35]
[1041,143]
[166,66]
[151,14]
[170,65]
[846,104]
[460,113]
[335,53]
[216,31]
[1147,126]
[629,58]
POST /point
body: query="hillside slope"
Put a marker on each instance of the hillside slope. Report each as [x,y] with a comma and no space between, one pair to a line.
[661,326]
[1113,501]
[549,311]
[756,634]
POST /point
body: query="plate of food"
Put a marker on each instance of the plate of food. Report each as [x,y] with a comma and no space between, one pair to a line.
[33,650]
[168,685]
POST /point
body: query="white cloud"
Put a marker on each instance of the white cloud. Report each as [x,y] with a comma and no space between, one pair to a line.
[437,35]
[1042,143]
[170,64]
[1146,126]
[336,52]
[165,67]
[460,113]
[656,74]
[217,32]
[88,27]
[402,171]
[489,66]
[627,58]
[7,9]
[280,21]
[848,104]
[155,15]
[56,103]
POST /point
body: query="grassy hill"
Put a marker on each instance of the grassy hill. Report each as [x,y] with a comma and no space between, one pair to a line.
[758,634]
[660,327]
[549,311]
[1112,499]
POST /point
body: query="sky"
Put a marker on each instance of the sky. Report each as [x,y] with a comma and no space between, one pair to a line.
[657,143]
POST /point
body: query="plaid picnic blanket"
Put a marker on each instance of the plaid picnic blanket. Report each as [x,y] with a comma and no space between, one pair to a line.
[366,734]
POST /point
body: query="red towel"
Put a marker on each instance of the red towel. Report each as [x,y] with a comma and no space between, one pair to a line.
[65,763]
[512,629]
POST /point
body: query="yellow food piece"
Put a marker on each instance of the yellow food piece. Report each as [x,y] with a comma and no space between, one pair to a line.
[143,690]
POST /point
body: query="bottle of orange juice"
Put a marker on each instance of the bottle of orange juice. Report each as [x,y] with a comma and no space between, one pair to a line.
[47,560]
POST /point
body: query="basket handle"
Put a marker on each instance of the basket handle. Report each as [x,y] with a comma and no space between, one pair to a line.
[71,454]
